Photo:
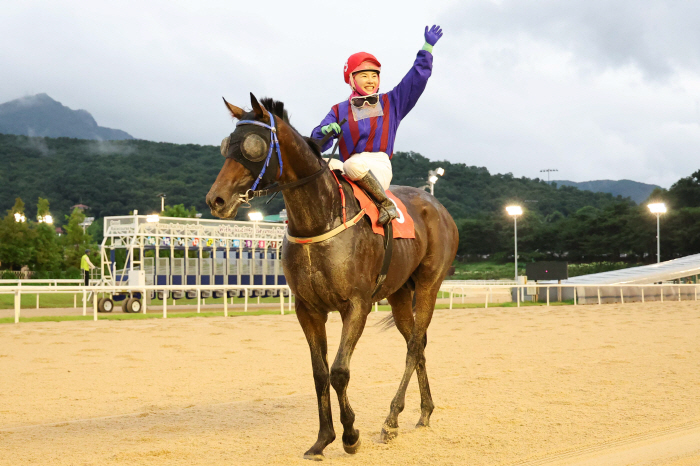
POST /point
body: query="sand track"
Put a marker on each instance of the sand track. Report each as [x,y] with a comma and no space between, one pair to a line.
[576,385]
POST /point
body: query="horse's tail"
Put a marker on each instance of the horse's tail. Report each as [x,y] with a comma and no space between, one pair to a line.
[388,322]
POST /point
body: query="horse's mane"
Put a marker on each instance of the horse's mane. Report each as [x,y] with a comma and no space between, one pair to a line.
[276,107]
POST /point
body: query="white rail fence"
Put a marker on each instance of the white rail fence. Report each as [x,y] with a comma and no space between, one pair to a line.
[581,294]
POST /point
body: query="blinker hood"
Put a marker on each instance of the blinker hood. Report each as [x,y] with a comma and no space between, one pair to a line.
[250,147]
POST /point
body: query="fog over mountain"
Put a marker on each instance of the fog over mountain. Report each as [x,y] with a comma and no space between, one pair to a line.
[40,115]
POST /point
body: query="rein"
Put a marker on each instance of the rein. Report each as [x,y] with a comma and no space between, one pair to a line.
[274,143]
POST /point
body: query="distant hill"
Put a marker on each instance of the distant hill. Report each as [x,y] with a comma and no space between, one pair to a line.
[638,192]
[40,115]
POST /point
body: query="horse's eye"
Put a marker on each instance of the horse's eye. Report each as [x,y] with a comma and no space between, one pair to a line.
[254,148]
[224,145]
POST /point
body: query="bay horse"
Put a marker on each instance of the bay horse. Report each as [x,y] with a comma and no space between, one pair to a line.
[339,273]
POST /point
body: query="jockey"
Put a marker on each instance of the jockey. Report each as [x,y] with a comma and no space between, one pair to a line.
[367,143]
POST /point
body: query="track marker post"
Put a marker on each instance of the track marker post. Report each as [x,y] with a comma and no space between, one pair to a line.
[642,295]
[598,296]
[281,303]
[245,301]
[94,305]
[451,298]
[18,301]
[84,302]
[622,297]
[165,305]
[199,302]
[143,301]
[225,304]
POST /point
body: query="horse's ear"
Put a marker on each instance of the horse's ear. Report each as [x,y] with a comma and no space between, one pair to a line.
[258,108]
[235,111]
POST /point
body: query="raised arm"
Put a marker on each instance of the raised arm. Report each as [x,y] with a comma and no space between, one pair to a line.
[406,93]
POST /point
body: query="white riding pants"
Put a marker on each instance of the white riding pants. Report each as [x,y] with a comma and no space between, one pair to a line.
[358,165]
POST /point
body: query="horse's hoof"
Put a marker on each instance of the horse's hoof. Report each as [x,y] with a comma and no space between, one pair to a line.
[352,449]
[422,424]
[314,456]
[389,433]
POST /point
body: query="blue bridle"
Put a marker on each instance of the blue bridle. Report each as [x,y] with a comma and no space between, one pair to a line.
[274,143]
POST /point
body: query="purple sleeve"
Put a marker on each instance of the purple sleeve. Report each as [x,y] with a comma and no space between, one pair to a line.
[317,134]
[406,93]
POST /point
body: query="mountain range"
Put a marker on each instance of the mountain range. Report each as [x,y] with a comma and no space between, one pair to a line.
[638,192]
[40,115]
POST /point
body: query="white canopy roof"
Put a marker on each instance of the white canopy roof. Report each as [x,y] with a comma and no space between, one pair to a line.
[669,270]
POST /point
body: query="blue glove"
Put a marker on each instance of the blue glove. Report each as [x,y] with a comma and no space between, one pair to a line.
[433,35]
[335,127]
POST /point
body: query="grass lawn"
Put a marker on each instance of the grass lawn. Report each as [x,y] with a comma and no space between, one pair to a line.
[57,300]
[488,270]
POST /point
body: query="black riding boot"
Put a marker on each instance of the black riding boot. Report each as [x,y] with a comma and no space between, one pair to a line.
[387,209]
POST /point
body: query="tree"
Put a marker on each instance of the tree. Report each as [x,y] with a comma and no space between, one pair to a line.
[76,241]
[16,239]
[180,211]
[48,253]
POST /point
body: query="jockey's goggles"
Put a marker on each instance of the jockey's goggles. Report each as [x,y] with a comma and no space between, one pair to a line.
[366,100]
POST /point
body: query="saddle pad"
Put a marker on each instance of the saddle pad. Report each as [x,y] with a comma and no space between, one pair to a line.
[403,225]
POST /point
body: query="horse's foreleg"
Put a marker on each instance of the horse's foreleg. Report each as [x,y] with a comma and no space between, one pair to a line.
[402,309]
[353,324]
[314,326]
[425,304]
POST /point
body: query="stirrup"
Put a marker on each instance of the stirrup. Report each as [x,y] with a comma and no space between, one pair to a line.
[387,214]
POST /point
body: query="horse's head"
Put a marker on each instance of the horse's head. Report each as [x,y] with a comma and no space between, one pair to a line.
[246,150]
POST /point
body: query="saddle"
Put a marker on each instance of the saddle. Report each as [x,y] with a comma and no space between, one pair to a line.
[402,226]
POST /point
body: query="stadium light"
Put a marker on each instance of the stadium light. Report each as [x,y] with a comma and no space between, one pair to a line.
[152,218]
[255,216]
[20,218]
[45,219]
[433,177]
[162,201]
[514,211]
[658,209]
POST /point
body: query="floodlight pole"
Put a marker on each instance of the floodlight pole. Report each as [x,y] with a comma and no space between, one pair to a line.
[515,227]
[658,238]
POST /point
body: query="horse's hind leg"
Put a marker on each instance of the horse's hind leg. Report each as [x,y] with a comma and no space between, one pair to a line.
[415,357]
[354,319]
[314,326]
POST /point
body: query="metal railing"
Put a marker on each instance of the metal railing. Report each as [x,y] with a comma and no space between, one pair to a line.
[581,294]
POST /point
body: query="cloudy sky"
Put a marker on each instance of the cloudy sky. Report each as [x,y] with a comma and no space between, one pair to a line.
[598,89]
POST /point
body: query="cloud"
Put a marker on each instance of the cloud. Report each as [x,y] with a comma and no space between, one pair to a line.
[657,37]
[596,89]
[37,143]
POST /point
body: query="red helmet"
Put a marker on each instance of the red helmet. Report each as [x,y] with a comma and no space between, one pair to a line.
[357,59]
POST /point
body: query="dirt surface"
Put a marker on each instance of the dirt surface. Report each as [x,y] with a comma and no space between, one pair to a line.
[583,385]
